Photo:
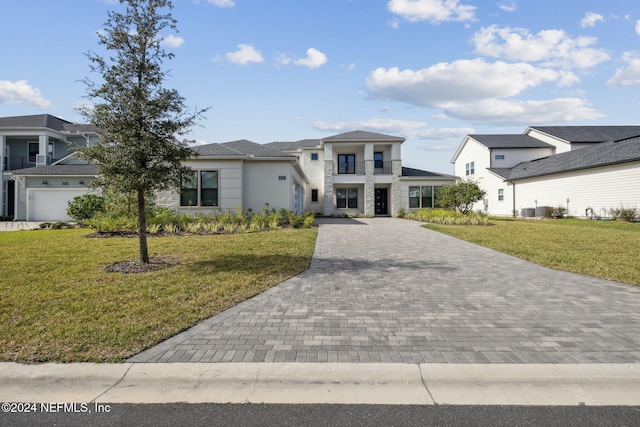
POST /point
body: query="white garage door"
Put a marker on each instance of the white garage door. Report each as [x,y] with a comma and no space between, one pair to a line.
[50,205]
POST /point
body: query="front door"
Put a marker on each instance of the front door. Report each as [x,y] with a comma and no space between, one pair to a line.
[381,201]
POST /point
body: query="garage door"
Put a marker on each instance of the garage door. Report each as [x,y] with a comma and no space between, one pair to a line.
[50,205]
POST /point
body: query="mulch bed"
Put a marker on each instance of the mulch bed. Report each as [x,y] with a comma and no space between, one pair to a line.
[135,266]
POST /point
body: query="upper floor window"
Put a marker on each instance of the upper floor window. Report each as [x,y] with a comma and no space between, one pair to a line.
[470,168]
[314,156]
[377,160]
[499,157]
[34,150]
[346,163]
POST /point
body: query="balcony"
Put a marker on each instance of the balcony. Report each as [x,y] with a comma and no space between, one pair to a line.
[23,162]
[357,168]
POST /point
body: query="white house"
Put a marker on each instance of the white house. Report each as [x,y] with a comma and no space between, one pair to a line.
[352,173]
[580,168]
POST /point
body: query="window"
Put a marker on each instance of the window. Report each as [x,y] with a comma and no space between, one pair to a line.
[34,150]
[501,194]
[377,160]
[199,189]
[427,197]
[314,156]
[209,188]
[189,189]
[469,168]
[347,198]
[347,163]
[499,157]
[314,196]
[423,197]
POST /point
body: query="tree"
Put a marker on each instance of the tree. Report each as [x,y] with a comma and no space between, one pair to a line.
[460,196]
[137,118]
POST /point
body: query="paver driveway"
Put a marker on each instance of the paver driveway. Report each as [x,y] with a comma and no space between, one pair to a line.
[387,290]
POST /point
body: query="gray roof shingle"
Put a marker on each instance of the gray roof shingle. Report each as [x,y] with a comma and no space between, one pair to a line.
[411,172]
[293,145]
[251,148]
[510,141]
[360,135]
[591,133]
[216,150]
[44,121]
[60,170]
[604,154]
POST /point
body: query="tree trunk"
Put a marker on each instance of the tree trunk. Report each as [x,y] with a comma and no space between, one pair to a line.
[142,229]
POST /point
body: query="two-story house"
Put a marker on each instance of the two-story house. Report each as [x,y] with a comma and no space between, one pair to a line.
[37,165]
[581,168]
[361,172]
[352,173]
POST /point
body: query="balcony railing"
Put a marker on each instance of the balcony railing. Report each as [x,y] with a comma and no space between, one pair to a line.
[23,162]
[357,168]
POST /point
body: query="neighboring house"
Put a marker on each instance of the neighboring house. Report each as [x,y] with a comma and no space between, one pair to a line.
[575,167]
[361,173]
[352,173]
[39,173]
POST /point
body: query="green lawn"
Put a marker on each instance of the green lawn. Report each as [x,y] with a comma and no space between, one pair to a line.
[58,304]
[610,250]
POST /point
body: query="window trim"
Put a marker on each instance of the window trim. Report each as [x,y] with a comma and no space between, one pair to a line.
[346,170]
[199,195]
[348,198]
[434,196]
[470,168]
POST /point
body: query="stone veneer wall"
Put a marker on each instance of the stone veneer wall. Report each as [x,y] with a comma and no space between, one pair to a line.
[369,189]
[328,187]
[396,170]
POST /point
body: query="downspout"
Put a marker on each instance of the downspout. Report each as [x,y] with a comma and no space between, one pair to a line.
[513,210]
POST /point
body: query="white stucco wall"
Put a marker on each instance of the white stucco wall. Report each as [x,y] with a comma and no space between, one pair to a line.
[262,184]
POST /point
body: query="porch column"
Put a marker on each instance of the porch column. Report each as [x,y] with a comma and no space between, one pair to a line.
[328,180]
[43,141]
[396,171]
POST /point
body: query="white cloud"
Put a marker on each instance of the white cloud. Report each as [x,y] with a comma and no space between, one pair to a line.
[553,48]
[459,81]
[222,3]
[172,41]
[434,11]
[591,19]
[406,128]
[20,92]
[478,91]
[314,59]
[638,27]
[517,112]
[510,6]
[629,75]
[245,54]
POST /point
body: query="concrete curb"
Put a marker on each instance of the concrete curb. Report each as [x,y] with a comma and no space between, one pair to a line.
[425,384]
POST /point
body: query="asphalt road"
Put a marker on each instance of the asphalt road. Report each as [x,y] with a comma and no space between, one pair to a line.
[331,415]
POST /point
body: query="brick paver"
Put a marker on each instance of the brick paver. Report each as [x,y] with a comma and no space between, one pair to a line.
[387,290]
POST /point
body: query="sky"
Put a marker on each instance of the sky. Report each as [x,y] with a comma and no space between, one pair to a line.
[431,71]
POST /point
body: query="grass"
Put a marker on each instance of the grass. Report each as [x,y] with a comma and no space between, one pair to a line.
[57,303]
[609,250]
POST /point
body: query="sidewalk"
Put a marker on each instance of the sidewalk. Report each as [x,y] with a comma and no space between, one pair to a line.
[410,384]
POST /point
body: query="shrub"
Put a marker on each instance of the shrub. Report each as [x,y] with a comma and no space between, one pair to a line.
[557,212]
[86,206]
[460,196]
[448,217]
[625,214]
